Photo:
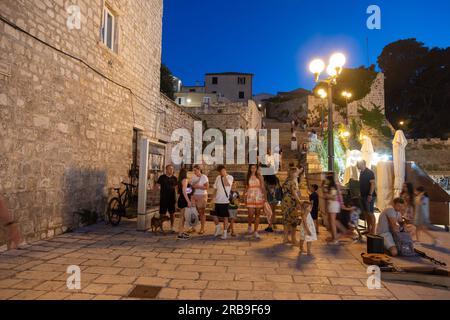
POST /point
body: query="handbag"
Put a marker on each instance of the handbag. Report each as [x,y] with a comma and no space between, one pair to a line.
[191,217]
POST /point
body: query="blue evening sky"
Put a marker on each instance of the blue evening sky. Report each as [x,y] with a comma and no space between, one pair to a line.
[276,39]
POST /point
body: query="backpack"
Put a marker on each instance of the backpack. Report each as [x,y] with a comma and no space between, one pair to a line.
[404,243]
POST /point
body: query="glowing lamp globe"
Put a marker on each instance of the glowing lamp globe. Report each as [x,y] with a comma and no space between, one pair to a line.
[317,66]
[332,71]
[337,60]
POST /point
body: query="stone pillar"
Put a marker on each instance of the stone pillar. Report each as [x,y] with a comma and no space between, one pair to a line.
[142,195]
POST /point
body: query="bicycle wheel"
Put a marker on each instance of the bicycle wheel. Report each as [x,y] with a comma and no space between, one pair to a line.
[115,211]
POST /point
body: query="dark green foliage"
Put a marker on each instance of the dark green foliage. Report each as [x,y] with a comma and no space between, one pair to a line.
[375,119]
[358,81]
[167,82]
[355,130]
[417,87]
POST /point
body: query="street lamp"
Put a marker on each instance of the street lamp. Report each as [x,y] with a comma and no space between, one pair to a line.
[323,95]
[347,95]
[334,69]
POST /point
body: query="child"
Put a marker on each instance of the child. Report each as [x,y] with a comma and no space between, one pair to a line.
[307,228]
[233,208]
[314,199]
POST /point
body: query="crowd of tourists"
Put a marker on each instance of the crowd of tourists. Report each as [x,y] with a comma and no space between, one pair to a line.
[262,194]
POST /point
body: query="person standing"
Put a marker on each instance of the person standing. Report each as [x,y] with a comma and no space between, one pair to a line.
[254,198]
[422,214]
[13,237]
[307,229]
[167,186]
[290,205]
[184,202]
[368,194]
[314,199]
[200,184]
[333,207]
[221,196]
[273,196]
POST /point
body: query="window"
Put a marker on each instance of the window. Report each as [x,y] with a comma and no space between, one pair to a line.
[241,95]
[109,29]
[215,80]
[191,90]
[241,80]
[206,100]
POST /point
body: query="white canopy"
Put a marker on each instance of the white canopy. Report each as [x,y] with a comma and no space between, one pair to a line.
[367,151]
[398,152]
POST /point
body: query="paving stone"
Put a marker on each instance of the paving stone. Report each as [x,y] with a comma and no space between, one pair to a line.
[168,293]
[345,281]
[231,285]
[95,288]
[8,283]
[311,279]
[210,294]
[104,270]
[115,279]
[80,296]
[8,293]
[217,276]
[99,263]
[279,278]
[152,281]
[282,287]
[106,297]
[250,277]
[189,294]
[26,284]
[28,295]
[139,272]
[54,296]
[213,269]
[255,295]
[188,284]
[187,275]
[119,289]
[50,285]
[318,296]
[285,296]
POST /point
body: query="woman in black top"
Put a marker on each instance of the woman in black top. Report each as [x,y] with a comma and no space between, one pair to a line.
[184,201]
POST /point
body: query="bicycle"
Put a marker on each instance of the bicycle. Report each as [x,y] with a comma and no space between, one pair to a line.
[117,206]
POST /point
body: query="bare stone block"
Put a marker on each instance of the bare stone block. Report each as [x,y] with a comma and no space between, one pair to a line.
[210,294]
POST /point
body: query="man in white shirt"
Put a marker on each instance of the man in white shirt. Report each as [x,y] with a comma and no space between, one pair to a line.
[200,184]
[389,223]
[221,196]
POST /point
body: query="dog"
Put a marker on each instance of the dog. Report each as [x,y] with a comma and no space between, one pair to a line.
[157,223]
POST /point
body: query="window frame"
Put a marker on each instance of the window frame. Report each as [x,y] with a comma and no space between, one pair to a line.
[242,81]
[243,95]
[215,80]
[104,30]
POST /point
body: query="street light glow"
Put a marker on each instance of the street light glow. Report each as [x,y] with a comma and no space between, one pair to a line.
[317,66]
[322,93]
[337,60]
[332,70]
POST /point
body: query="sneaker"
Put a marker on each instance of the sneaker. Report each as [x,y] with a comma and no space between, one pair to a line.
[224,236]
[183,236]
[269,229]
[218,231]
[257,236]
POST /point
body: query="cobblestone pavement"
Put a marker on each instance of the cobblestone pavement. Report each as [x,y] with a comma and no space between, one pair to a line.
[114,260]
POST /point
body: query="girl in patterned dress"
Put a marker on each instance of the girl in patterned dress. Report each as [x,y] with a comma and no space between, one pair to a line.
[255,197]
[290,204]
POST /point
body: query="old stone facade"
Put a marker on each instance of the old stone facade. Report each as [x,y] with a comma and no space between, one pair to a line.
[70,106]
[433,155]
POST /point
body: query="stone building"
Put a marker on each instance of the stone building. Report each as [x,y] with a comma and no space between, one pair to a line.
[79,87]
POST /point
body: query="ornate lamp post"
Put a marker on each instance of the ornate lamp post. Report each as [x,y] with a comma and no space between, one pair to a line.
[334,69]
[347,95]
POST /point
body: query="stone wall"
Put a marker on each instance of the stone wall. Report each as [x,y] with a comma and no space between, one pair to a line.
[286,111]
[230,115]
[67,122]
[433,155]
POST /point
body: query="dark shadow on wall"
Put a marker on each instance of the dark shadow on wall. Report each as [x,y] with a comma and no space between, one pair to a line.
[84,189]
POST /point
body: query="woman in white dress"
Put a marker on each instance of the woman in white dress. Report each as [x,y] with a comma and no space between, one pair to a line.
[307,228]
[331,194]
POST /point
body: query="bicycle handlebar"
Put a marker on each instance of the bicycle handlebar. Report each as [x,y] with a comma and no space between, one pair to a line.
[129,184]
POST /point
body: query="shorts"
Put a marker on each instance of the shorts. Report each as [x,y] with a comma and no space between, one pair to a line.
[388,240]
[368,207]
[334,207]
[165,206]
[233,213]
[200,201]
[221,210]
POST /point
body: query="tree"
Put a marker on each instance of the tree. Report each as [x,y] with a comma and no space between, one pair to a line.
[167,82]
[417,87]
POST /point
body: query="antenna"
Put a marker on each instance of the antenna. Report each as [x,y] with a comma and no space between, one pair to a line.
[367,51]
